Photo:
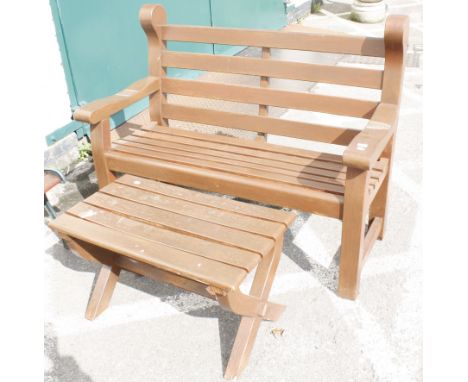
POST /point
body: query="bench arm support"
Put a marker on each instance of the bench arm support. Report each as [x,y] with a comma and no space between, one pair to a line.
[366,148]
[103,108]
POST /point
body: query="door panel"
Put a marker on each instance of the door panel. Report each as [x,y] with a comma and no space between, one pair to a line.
[254,14]
[106,47]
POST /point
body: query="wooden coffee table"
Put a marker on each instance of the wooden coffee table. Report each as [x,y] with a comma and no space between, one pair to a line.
[196,241]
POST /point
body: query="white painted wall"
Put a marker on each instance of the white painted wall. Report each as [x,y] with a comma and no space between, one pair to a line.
[59,111]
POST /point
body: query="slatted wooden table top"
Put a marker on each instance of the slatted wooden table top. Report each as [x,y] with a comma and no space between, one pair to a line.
[214,240]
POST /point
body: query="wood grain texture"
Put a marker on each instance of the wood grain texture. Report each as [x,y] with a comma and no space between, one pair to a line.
[317,42]
[249,326]
[98,110]
[207,244]
[100,144]
[199,242]
[272,97]
[284,176]
[205,199]
[396,41]
[266,125]
[302,198]
[102,292]
[176,234]
[367,78]
[352,240]
[152,16]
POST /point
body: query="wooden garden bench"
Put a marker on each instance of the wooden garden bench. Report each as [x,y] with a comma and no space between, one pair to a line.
[352,187]
[196,241]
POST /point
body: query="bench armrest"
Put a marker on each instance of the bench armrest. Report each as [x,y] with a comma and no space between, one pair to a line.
[103,108]
[366,148]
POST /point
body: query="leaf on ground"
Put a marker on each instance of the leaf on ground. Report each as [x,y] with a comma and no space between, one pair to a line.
[277,332]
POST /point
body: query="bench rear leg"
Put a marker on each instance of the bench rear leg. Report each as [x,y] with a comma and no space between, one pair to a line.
[378,206]
[102,292]
[352,239]
[249,326]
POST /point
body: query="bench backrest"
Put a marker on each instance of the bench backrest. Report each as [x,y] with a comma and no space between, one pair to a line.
[389,80]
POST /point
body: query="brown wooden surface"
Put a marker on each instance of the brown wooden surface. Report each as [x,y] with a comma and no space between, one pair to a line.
[367,147]
[263,161]
[354,220]
[271,125]
[209,242]
[100,143]
[367,78]
[317,42]
[289,177]
[102,292]
[249,326]
[151,17]
[96,111]
[273,97]
[396,41]
[203,243]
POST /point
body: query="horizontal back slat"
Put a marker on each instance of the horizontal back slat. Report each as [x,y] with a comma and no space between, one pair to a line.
[277,126]
[318,42]
[272,97]
[275,68]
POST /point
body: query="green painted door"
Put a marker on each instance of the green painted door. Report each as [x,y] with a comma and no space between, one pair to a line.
[104,49]
[259,14]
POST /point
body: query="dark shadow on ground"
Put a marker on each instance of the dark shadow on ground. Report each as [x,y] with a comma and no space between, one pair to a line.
[83,176]
[64,368]
[328,277]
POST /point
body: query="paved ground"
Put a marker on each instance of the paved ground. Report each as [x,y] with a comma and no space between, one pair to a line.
[153,332]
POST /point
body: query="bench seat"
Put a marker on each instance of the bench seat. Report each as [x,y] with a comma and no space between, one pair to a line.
[289,169]
[352,187]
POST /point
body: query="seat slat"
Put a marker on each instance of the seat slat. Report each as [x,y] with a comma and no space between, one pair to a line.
[187,208]
[248,161]
[179,262]
[366,78]
[209,249]
[230,168]
[317,42]
[291,167]
[267,125]
[205,199]
[185,224]
[243,146]
[276,193]
[338,180]
[273,97]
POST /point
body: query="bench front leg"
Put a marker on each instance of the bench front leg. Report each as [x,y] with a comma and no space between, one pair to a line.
[101,143]
[353,231]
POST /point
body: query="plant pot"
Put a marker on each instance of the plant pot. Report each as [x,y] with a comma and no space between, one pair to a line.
[368,11]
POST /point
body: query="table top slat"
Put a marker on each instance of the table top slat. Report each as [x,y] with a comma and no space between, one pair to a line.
[206,199]
[187,208]
[184,224]
[226,254]
[182,263]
